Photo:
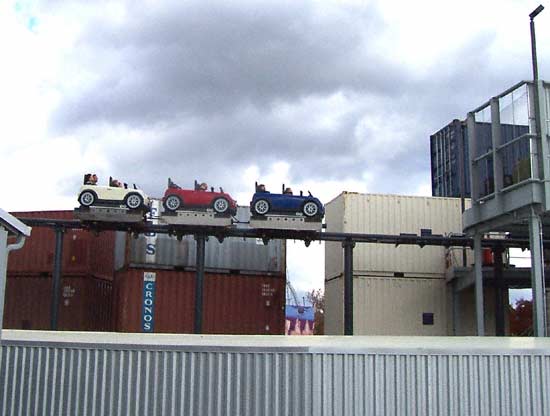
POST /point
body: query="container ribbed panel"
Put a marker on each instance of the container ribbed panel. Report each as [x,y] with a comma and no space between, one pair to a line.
[334,306]
[393,306]
[248,254]
[392,215]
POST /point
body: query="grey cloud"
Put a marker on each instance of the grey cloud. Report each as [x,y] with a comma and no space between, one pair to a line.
[194,59]
[206,82]
[220,149]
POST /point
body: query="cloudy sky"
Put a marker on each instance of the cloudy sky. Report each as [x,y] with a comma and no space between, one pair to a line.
[325,96]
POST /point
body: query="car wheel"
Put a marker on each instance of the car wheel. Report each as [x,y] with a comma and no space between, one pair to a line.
[133,201]
[221,205]
[87,198]
[310,209]
[261,207]
[172,202]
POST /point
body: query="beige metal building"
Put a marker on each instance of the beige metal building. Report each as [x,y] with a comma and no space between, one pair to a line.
[405,290]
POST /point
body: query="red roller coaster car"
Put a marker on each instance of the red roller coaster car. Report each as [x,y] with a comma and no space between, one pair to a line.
[198,199]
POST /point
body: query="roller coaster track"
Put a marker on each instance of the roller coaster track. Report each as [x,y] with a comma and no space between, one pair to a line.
[268,234]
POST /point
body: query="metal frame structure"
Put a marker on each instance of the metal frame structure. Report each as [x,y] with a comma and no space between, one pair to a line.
[9,226]
[348,240]
[514,204]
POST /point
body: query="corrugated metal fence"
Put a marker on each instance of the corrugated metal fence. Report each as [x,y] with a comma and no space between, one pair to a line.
[45,373]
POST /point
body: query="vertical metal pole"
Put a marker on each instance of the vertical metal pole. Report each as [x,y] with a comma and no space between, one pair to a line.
[498,268]
[199,282]
[348,286]
[459,131]
[56,285]
[496,140]
[538,120]
[456,307]
[537,275]
[3,270]
[534,50]
[478,272]
[472,141]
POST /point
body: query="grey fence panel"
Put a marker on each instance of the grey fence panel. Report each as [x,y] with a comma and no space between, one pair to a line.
[205,378]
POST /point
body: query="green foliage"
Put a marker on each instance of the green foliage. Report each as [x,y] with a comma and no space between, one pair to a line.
[521,318]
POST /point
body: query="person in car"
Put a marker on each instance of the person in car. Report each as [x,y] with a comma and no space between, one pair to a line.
[90,179]
[116,183]
[288,191]
[203,186]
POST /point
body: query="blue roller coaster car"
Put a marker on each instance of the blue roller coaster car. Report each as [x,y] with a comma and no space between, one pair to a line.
[264,202]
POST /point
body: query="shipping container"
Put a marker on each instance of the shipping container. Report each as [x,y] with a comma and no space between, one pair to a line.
[334,306]
[84,252]
[393,215]
[85,303]
[232,255]
[449,149]
[388,306]
[450,161]
[159,300]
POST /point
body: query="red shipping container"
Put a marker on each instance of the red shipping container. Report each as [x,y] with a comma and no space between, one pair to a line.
[233,303]
[85,303]
[84,252]
[487,257]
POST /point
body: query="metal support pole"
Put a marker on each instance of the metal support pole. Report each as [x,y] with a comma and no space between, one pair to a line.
[456,307]
[498,269]
[538,120]
[199,282]
[462,174]
[348,286]
[478,272]
[3,270]
[537,275]
[496,139]
[534,49]
[56,285]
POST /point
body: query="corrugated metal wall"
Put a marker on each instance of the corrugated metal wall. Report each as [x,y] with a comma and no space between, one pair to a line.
[392,214]
[388,306]
[233,304]
[273,376]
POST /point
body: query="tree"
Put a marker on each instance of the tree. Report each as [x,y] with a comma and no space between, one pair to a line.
[521,318]
[317,298]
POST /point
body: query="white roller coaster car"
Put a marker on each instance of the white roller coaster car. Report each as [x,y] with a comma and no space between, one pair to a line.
[114,195]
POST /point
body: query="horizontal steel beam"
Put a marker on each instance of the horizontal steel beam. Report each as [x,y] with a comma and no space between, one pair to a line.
[266,234]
